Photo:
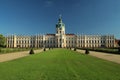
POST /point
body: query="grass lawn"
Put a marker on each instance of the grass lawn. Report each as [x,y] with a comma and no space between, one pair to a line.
[59,64]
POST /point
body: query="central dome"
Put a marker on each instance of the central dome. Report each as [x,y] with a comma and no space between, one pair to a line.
[60,24]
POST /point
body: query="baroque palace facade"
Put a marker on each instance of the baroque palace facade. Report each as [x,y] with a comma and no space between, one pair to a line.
[60,39]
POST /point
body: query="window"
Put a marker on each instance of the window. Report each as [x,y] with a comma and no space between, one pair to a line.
[60,40]
[48,42]
[95,41]
[60,32]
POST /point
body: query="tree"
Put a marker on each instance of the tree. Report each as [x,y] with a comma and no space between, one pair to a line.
[2,41]
[119,46]
[119,42]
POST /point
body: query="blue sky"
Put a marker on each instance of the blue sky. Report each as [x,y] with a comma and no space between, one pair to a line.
[41,16]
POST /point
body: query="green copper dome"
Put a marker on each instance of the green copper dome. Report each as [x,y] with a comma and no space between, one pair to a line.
[60,24]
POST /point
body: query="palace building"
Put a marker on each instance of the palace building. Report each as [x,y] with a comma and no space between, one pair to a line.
[60,39]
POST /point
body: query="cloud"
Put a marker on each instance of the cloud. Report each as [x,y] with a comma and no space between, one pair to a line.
[48,3]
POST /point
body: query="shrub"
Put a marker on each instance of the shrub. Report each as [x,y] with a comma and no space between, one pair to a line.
[44,49]
[86,51]
[31,51]
[70,48]
[0,50]
[74,49]
[119,50]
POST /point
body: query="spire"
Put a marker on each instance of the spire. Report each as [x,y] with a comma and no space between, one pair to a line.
[60,23]
[60,18]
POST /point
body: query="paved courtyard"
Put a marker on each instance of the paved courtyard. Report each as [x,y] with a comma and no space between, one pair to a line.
[15,55]
[107,56]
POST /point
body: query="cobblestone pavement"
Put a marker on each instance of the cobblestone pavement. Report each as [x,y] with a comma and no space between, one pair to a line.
[107,56]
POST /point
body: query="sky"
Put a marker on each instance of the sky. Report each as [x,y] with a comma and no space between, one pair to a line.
[30,17]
